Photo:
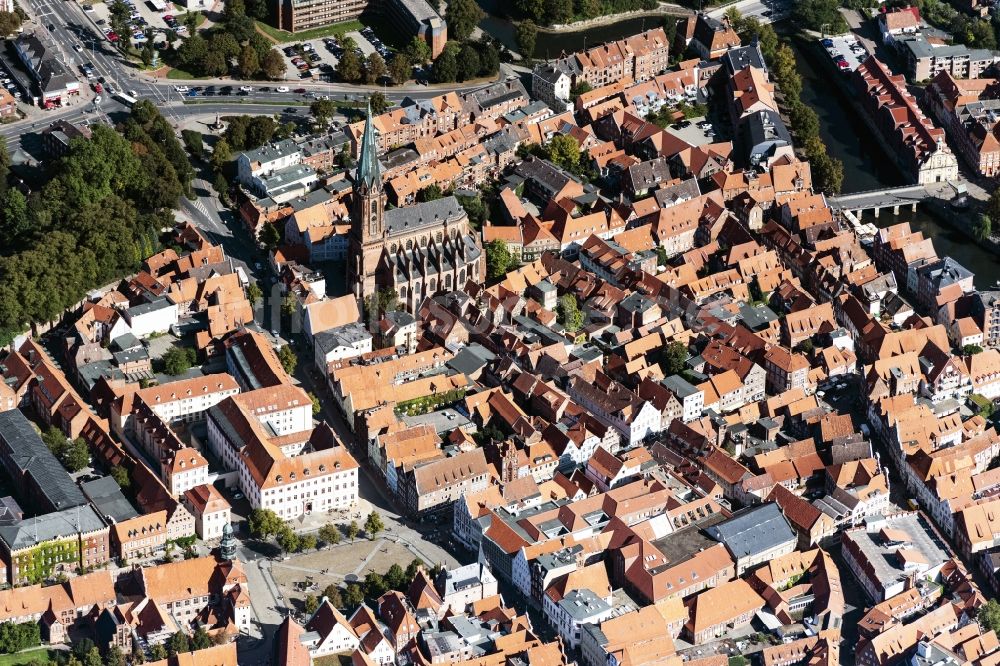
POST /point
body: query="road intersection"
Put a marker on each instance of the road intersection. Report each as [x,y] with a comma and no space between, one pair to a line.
[68,26]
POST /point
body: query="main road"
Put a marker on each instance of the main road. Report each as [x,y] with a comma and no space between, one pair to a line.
[71,28]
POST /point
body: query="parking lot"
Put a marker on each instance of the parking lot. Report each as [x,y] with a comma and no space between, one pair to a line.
[143,17]
[313,60]
[696,131]
[16,82]
[846,51]
[317,59]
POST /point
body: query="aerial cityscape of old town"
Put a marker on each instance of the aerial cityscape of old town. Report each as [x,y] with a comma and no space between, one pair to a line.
[500,332]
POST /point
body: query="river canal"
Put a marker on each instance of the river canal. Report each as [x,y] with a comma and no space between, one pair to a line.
[552,44]
[866,167]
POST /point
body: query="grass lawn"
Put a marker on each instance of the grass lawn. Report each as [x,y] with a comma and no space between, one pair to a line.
[43,654]
[175,73]
[334,30]
[329,660]
[201,19]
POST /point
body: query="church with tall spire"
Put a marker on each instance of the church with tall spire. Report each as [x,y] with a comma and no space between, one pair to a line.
[416,251]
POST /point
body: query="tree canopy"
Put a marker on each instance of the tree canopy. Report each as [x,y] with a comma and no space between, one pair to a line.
[231,45]
[373,524]
[569,313]
[94,220]
[526,36]
[547,12]
[820,15]
[989,615]
[463,16]
[498,259]
[264,523]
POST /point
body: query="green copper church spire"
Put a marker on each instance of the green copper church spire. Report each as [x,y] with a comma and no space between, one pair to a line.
[369,170]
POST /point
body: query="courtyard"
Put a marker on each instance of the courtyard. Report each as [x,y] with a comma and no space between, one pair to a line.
[309,573]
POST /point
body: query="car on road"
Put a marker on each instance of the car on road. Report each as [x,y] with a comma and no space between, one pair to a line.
[246,89]
[237,495]
[98,88]
[112,36]
[281,89]
[767,12]
[98,100]
[299,91]
[88,8]
[77,47]
[226,90]
[193,93]
[181,89]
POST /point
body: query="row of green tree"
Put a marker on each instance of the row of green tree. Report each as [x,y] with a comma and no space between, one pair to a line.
[827,171]
[375,585]
[265,524]
[460,60]
[232,42]
[86,653]
[15,637]
[549,12]
[95,219]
